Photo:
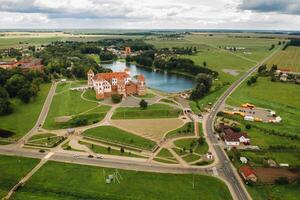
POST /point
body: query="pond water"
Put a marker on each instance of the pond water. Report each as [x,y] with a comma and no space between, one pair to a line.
[166,82]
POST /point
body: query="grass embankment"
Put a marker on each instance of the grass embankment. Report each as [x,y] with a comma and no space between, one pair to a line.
[152,112]
[113,134]
[109,150]
[12,170]
[45,140]
[186,129]
[24,116]
[69,103]
[84,182]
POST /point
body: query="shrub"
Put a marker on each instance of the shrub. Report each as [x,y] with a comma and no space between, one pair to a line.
[282,181]
[79,121]
[116,98]
[248,126]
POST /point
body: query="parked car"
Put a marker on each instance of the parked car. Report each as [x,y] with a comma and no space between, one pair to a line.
[90,156]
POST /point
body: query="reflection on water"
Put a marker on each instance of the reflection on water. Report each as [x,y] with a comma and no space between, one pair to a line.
[166,82]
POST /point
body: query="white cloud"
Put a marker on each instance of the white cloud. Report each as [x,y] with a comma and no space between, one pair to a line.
[194,14]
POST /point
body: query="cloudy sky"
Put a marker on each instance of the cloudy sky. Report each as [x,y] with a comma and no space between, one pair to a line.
[151,14]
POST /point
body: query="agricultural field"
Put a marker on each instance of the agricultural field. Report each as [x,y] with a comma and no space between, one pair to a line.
[89,183]
[152,112]
[21,121]
[119,136]
[12,170]
[14,42]
[287,59]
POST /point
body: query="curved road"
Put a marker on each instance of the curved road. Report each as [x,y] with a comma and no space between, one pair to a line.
[227,169]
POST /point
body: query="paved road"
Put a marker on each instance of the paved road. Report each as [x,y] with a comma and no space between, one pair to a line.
[227,169]
[43,114]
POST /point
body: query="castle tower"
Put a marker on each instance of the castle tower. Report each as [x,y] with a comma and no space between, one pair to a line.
[141,85]
[90,75]
[127,50]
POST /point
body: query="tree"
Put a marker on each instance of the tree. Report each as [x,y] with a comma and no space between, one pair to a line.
[109,149]
[24,94]
[203,85]
[5,107]
[122,150]
[248,126]
[262,69]
[14,84]
[79,121]
[116,98]
[143,104]
[204,64]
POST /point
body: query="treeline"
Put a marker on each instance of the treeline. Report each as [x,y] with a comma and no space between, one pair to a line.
[17,84]
[178,50]
[135,45]
[69,58]
[292,42]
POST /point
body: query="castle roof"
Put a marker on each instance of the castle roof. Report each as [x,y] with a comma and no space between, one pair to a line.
[140,78]
[110,76]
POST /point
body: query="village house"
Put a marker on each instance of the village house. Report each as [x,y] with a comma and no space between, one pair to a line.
[233,138]
[106,84]
[248,173]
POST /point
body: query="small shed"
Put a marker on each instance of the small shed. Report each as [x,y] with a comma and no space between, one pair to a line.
[244,160]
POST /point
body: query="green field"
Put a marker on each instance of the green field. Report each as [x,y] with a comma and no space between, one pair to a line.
[25,41]
[117,135]
[153,111]
[83,182]
[69,103]
[12,170]
[287,59]
[21,121]
[192,144]
[283,192]
[186,129]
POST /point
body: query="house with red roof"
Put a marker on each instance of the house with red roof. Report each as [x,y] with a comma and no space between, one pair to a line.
[106,84]
[233,138]
[248,173]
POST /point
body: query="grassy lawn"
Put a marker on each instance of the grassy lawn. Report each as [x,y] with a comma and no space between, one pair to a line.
[278,192]
[277,96]
[103,150]
[90,94]
[192,144]
[117,135]
[25,41]
[95,57]
[186,129]
[41,136]
[191,157]
[287,59]
[152,112]
[12,170]
[69,103]
[165,153]
[85,182]
[21,121]
[48,142]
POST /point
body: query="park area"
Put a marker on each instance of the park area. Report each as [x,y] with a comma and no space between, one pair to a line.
[68,108]
[89,183]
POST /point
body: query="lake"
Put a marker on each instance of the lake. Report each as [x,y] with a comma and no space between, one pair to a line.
[166,82]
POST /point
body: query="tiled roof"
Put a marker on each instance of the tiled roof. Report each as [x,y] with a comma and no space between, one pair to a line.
[247,170]
[233,136]
[140,78]
[109,76]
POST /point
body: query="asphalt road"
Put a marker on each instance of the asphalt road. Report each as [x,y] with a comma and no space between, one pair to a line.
[227,169]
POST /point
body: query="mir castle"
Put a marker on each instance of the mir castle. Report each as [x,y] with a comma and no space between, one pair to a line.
[106,84]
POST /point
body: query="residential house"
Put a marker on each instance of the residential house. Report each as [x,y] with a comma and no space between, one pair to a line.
[248,173]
